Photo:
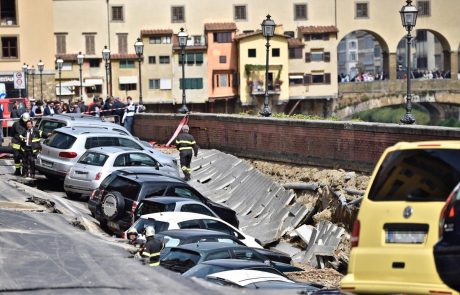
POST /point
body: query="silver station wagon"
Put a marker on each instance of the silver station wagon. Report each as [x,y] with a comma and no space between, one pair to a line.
[67,144]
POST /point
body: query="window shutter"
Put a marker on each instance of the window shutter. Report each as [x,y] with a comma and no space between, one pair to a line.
[235,80]
[199,83]
[307,37]
[307,57]
[327,56]
[307,79]
[327,78]
[190,58]
[326,36]
[199,58]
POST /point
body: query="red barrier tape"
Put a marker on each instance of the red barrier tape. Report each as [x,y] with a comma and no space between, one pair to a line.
[183,122]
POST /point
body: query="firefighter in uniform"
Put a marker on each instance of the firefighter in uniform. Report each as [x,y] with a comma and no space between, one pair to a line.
[30,146]
[152,248]
[186,145]
[19,127]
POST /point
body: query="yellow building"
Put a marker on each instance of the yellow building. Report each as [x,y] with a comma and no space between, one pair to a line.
[26,36]
[251,67]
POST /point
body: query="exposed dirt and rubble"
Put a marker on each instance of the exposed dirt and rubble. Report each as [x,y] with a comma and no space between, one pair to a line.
[326,189]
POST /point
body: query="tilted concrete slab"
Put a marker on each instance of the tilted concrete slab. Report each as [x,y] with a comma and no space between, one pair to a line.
[265,209]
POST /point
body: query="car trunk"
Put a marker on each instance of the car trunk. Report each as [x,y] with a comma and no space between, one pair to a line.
[84,172]
[58,146]
[398,249]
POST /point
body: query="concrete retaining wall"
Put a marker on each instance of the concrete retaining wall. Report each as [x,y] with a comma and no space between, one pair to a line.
[348,145]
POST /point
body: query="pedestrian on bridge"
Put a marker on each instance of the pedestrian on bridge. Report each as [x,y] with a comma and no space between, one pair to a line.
[187,146]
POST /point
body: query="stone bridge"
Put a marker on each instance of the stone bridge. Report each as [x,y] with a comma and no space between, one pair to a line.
[440,97]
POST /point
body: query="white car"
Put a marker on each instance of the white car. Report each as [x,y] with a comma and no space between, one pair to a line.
[97,163]
[256,279]
[184,220]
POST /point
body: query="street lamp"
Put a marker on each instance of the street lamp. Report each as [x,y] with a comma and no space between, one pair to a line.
[408,17]
[182,36]
[24,71]
[80,58]
[31,71]
[106,58]
[268,30]
[59,63]
[139,48]
[41,67]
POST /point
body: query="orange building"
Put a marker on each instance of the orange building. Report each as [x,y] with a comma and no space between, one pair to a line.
[222,65]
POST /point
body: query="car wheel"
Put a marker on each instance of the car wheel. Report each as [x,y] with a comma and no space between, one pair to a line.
[73,196]
[113,205]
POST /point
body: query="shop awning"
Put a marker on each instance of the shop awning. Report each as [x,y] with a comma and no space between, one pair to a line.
[69,83]
[66,90]
[128,80]
[296,77]
[92,82]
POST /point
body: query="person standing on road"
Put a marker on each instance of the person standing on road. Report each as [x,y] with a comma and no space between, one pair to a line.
[152,248]
[19,127]
[30,146]
[186,144]
[128,116]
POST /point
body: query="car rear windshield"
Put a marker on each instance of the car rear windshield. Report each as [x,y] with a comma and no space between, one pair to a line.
[127,188]
[93,159]
[417,175]
[49,126]
[182,257]
[148,207]
[142,223]
[61,141]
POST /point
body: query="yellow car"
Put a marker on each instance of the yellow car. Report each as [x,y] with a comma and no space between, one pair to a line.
[398,222]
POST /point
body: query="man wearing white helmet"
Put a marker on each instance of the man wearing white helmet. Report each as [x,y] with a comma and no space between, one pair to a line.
[19,127]
[152,248]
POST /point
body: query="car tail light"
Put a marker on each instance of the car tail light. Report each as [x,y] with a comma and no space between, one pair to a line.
[444,213]
[123,235]
[69,155]
[133,210]
[98,176]
[355,233]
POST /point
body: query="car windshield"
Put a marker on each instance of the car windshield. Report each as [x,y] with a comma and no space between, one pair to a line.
[48,126]
[202,270]
[417,175]
[169,241]
[142,223]
[93,159]
[61,141]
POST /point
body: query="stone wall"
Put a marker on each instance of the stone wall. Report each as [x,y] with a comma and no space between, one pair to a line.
[348,145]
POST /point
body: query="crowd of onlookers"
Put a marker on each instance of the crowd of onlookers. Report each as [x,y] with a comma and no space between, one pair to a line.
[427,75]
[361,77]
[98,107]
[402,75]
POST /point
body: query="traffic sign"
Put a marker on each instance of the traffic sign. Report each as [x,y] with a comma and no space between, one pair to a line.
[19,82]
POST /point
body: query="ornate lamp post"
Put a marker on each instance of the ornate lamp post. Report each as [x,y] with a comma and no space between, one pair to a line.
[24,71]
[409,18]
[41,67]
[31,71]
[59,63]
[182,36]
[268,30]
[139,48]
[106,58]
[80,58]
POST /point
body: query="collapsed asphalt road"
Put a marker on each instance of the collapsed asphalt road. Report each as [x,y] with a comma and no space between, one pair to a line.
[43,252]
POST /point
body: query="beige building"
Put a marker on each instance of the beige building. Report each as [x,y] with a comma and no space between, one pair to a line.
[118,23]
[26,36]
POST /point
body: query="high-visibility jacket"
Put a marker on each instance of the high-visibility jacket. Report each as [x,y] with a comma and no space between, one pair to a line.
[18,128]
[35,137]
[151,251]
[186,141]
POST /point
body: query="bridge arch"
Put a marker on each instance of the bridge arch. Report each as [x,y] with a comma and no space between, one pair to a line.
[362,51]
[430,52]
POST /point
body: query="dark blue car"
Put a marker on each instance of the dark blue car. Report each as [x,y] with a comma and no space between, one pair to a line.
[447,250]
